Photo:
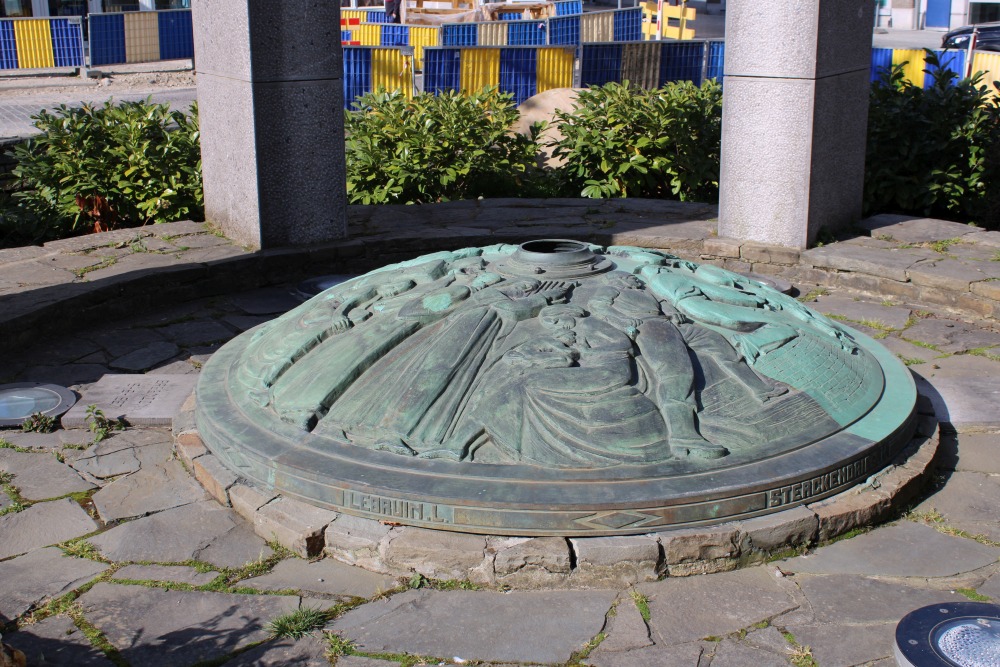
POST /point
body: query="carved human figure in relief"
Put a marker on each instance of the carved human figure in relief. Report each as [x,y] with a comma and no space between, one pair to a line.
[756,324]
[427,377]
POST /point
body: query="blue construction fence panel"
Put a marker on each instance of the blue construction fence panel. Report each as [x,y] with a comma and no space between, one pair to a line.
[394,34]
[176,34]
[881,61]
[716,60]
[67,42]
[628,25]
[377,16]
[107,39]
[346,35]
[459,34]
[526,33]
[8,47]
[442,69]
[519,73]
[564,31]
[568,7]
[682,61]
[600,64]
[510,16]
[953,61]
[357,73]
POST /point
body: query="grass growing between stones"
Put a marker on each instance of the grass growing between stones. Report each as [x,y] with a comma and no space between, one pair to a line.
[799,655]
[420,581]
[69,606]
[943,245]
[814,294]
[337,647]
[910,361]
[641,603]
[18,503]
[81,548]
[984,352]
[588,648]
[936,520]
[973,595]
[297,624]
[853,532]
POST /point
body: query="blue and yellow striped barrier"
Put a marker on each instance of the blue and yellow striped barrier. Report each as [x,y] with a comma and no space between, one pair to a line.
[649,64]
[523,71]
[369,68]
[41,43]
[398,34]
[139,37]
[616,25]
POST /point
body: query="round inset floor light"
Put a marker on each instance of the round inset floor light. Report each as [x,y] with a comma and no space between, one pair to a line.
[307,289]
[954,634]
[20,400]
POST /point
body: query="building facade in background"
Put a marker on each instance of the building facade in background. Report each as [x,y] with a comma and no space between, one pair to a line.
[941,14]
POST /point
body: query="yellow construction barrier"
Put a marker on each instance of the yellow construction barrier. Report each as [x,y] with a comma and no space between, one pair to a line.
[34,43]
[480,68]
[989,65]
[913,69]
[680,13]
[391,70]
[554,68]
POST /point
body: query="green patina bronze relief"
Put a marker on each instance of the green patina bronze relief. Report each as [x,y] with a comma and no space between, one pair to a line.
[554,388]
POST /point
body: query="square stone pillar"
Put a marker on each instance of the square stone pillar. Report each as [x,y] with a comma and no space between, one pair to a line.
[794,118]
[270,101]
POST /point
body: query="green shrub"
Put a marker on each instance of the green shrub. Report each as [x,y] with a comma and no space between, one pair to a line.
[624,141]
[435,148]
[101,167]
[927,147]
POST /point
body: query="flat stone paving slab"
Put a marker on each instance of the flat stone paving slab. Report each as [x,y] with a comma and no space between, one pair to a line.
[626,629]
[964,389]
[39,476]
[268,301]
[521,626]
[112,464]
[968,501]
[971,452]
[153,489]
[145,357]
[327,577]
[894,317]
[56,641]
[730,653]
[908,229]
[310,651]
[149,400]
[951,336]
[39,575]
[838,645]
[929,553]
[844,598]
[686,609]
[196,332]
[364,661]
[991,587]
[178,574]
[680,655]
[41,525]
[155,627]
[201,531]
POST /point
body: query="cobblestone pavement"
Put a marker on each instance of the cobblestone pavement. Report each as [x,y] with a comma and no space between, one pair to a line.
[110,552]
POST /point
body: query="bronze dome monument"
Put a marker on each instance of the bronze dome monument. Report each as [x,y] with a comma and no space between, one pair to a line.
[554,388]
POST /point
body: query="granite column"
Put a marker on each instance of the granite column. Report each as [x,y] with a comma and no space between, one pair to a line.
[270,101]
[794,118]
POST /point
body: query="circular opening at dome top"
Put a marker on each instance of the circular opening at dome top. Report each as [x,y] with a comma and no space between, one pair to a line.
[552,247]
[20,401]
